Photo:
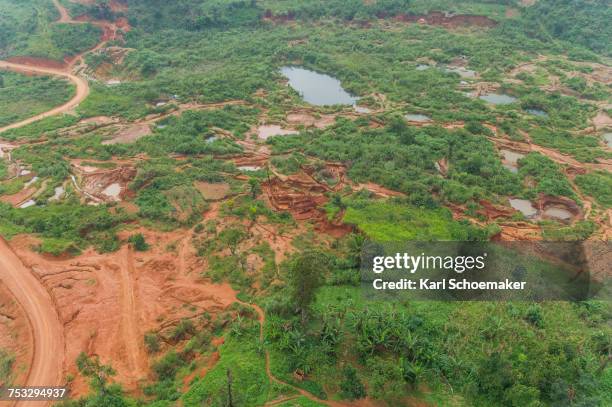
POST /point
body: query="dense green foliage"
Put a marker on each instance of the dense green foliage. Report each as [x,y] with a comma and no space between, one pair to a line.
[584,23]
[597,185]
[28,28]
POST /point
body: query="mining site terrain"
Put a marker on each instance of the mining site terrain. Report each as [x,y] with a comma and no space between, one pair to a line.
[186,187]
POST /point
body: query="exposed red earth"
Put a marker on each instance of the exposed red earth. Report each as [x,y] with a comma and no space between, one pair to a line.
[47,363]
[39,66]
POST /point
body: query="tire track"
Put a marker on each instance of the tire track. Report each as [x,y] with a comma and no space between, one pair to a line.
[129,319]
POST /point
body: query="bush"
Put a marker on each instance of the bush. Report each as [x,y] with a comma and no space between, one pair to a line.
[351,387]
[152,342]
[139,242]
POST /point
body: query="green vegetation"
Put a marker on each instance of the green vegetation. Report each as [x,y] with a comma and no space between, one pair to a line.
[546,174]
[396,222]
[66,227]
[598,185]
[29,29]
[6,367]
[321,333]
[241,359]
[35,94]
[139,242]
[104,394]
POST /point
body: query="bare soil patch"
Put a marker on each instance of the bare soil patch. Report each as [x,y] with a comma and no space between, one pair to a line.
[602,120]
[266,131]
[107,302]
[129,134]
[213,191]
[448,21]
[308,120]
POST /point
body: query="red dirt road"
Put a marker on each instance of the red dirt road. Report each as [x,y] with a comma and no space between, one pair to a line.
[64,16]
[46,368]
[82,87]
[82,90]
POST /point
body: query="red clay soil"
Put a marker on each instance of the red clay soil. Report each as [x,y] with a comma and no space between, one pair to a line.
[107,302]
[118,6]
[18,198]
[38,62]
[492,212]
[46,366]
[15,335]
[94,183]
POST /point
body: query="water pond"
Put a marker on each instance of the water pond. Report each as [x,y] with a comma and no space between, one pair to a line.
[27,204]
[537,112]
[113,190]
[316,88]
[524,206]
[498,99]
[463,72]
[558,213]
[249,168]
[421,118]
[511,159]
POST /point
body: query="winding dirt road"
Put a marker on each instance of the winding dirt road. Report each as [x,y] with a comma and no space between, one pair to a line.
[64,16]
[82,87]
[82,90]
[46,368]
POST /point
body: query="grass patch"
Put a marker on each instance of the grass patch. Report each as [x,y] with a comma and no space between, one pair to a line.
[24,96]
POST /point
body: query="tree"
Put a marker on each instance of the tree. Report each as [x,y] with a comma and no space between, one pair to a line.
[305,272]
[139,242]
[96,371]
[351,387]
[254,187]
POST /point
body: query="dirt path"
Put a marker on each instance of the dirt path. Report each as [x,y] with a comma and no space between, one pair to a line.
[82,90]
[46,368]
[129,321]
[262,320]
[64,16]
[82,87]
